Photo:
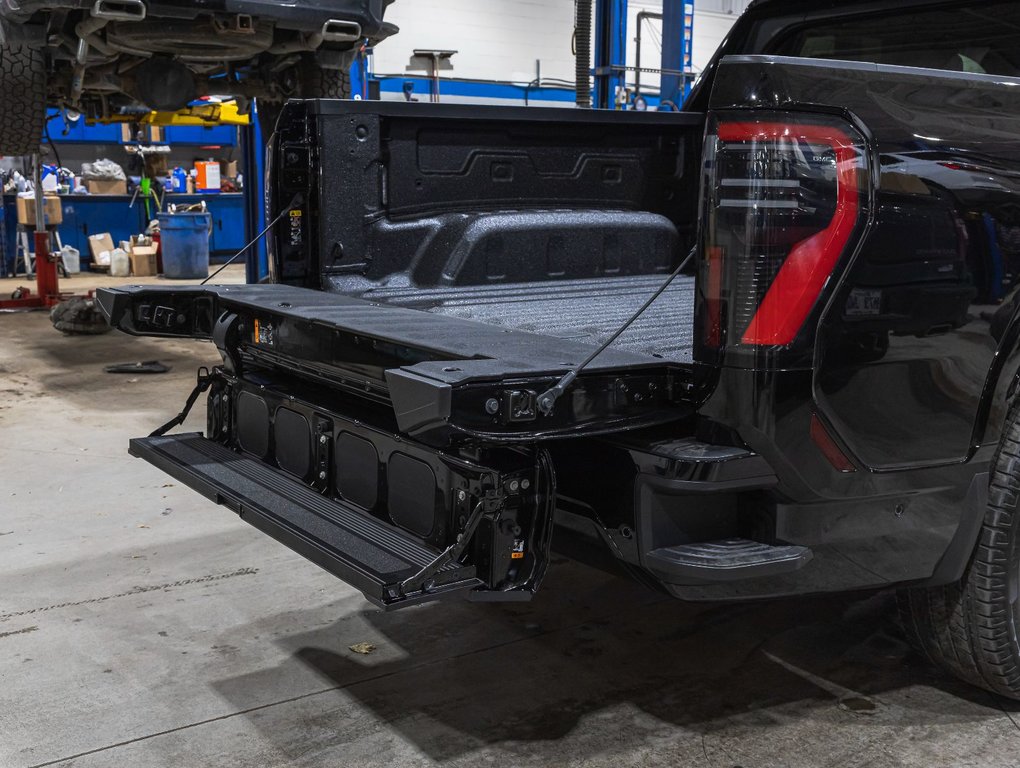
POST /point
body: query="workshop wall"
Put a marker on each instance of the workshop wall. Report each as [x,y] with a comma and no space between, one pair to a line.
[502,41]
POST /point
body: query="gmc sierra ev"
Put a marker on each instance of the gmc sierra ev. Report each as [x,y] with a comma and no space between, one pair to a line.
[814,388]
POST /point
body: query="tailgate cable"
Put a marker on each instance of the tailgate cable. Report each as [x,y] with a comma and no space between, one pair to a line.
[295,203]
[547,400]
[204,380]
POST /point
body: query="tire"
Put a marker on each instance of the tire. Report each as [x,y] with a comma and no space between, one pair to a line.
[972,629]
[79,316]
[319,83]
[22,99]
[312,82]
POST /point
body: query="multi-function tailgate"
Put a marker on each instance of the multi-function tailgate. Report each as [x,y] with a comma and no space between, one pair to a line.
[445,378]
[400,450]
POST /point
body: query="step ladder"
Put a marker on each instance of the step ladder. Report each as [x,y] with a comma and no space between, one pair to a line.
[25,257]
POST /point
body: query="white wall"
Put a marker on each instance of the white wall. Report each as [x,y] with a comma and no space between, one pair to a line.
[502,39]
[710,27]
[495,39]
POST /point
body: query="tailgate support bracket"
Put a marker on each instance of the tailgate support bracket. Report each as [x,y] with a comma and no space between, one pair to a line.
[424,580]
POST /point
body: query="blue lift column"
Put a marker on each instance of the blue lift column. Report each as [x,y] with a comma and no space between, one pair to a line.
[677,43]
[254,149]
[359,75]
[610,51]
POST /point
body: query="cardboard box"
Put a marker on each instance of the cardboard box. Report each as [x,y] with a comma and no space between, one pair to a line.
[228,170]
[144,255]
[106,187]
[53,211]
[100,246]
[143,260]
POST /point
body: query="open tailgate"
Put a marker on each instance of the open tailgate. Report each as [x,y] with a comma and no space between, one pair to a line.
[444,377]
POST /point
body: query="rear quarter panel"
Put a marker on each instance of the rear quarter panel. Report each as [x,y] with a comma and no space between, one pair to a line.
[911,370]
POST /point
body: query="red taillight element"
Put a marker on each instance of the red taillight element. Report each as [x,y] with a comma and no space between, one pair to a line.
[713,330]
[782,202]
[810,262]
[833,454]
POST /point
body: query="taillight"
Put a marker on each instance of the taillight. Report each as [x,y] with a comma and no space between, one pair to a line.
[783,196]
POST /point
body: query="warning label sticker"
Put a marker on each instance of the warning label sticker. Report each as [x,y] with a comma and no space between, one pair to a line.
[264,333]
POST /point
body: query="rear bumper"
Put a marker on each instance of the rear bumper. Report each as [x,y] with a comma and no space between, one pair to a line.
[709,523]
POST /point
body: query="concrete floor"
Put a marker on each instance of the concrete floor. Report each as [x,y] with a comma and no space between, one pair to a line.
[142,626]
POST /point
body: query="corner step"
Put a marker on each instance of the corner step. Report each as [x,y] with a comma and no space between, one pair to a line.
[727,560]
[361,549]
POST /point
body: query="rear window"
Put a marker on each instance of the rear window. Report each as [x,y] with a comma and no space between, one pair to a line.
[981,38]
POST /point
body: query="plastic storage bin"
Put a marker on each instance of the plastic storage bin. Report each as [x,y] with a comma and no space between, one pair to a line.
[120,263]
[184,242]
[71,257]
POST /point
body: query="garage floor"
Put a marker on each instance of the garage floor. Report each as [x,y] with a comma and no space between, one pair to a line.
[142,626]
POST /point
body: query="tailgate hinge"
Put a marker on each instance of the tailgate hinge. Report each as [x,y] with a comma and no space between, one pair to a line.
[424,580]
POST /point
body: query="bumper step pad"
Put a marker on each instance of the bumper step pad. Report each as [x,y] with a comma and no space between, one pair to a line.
[728,560]
[360,549]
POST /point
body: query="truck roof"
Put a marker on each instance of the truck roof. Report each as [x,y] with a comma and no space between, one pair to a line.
[817,4]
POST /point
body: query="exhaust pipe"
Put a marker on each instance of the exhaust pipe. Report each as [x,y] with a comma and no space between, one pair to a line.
[103,12]
[333,31]
[337,31]
[119,10]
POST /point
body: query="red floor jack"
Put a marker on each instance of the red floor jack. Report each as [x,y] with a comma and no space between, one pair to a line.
[46,280]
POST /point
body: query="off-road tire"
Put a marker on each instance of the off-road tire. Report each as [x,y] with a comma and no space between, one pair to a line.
[971,629]
[79,316]
[313,82]
[22,99]
[319,83]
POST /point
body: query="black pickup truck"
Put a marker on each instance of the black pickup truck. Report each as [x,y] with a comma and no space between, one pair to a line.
[432,393]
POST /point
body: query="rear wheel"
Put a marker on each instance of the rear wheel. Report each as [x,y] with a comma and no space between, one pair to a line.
[320,83]
[23,96]
[972,629]
[310,82]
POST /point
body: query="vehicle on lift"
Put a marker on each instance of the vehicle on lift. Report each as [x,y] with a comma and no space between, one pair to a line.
[433,394]
[109,57]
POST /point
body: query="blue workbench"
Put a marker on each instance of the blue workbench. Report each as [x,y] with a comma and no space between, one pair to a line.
[86,215]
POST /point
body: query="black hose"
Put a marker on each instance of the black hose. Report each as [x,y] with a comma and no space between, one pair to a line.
[56,155]
[582,60]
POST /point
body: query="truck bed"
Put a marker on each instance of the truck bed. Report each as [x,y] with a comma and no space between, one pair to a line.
[585,311]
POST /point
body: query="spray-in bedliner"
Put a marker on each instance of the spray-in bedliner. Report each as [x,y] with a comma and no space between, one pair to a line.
[585,311]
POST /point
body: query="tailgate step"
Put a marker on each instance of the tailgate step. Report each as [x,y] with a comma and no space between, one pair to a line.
[727,560]
[352,545]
